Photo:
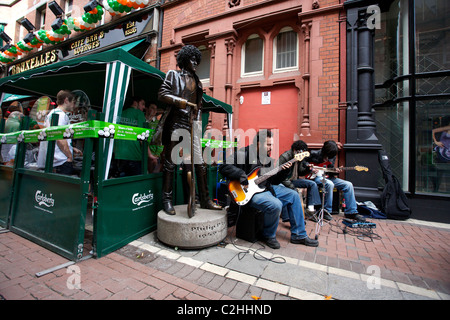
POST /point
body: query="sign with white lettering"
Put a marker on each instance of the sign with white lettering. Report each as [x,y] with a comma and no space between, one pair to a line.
[89,42]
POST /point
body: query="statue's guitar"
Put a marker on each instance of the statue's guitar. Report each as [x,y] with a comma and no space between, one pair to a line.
[242,194]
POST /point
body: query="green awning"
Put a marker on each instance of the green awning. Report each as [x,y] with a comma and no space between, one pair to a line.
[212,104]
[85,73]
[127,47]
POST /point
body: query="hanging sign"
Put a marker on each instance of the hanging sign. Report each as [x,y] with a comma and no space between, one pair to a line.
[40,60]
[90,42]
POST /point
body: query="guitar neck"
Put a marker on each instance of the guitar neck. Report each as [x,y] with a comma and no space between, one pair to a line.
[271,173]
[333,169]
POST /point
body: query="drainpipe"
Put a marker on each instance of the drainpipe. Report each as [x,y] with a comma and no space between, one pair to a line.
[161,19]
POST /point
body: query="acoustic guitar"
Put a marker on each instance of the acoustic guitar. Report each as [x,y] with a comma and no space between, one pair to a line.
[242,194]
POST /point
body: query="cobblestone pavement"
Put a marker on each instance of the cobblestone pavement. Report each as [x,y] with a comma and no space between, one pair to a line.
[401,261]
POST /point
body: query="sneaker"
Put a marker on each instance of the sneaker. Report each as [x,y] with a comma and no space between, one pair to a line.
[306,241]
[272,243]
[355,216]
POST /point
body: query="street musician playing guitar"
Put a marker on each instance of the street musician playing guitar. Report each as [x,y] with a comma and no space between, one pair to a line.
[325,158]
[273,197]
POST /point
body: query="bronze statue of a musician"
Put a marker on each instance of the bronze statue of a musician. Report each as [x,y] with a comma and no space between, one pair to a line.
[182,92]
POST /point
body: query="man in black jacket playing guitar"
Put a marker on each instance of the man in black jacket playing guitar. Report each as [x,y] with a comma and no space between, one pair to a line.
[272,197]
[326,157]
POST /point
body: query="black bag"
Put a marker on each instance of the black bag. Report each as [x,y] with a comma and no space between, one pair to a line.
[393,200]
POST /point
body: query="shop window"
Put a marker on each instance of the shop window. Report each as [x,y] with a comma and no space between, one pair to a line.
[433,146]
[432,35]
[203,68]
[285,47]
[252,56]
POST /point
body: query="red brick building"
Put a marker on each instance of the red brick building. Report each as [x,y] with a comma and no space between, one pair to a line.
[276,62]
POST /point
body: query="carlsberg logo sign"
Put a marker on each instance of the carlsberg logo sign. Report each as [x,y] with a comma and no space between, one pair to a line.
[43,199]
[142,200]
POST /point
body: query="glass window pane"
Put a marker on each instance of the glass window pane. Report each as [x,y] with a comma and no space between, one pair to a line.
[286,50]
[433,146]
[390,129]
[204,66]
[432,35]
[253,55]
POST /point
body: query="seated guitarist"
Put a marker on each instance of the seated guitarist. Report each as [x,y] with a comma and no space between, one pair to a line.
[326,157]
[275,197]
[296,179]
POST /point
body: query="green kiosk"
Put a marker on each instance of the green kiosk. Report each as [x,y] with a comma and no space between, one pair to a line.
[51,209]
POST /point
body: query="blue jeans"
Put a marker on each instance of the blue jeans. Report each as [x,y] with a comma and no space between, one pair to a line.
[272,206]
[313,196]
[343,185]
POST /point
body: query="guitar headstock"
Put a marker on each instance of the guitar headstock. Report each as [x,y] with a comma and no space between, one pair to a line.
[302,155]
[361,168]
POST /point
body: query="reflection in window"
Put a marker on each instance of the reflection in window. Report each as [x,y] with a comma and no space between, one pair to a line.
[432,35]
[433,146]
[253,55]
[203,68]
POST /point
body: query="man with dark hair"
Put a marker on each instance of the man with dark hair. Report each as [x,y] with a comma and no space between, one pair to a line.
[275,196]
[297,179]
[182,92]
[326,157]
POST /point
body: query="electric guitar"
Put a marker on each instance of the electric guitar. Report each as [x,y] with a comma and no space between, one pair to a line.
[242,194]
[333,170]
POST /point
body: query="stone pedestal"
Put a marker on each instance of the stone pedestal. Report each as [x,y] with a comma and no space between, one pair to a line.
[205,229]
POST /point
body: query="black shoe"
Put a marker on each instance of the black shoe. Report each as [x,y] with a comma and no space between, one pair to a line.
[306,241]
[355,216]
[272,243]
[168,208]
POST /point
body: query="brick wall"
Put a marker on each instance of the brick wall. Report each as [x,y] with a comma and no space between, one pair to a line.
[178,13]
[329,81]
[324,60]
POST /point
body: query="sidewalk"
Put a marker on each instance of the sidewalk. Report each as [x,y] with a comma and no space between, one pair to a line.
[403,261]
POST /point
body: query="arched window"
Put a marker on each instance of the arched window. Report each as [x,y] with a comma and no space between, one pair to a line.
[285,50]
[252,56]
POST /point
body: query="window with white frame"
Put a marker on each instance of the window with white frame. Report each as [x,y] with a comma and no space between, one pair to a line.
[203,68]
[285,50]
[252,56]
